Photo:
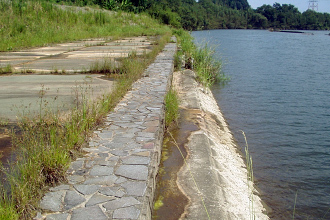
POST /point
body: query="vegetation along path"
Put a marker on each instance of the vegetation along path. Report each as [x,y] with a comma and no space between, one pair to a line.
[116,178]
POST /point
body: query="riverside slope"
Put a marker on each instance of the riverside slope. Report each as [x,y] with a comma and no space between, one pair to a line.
[215,171]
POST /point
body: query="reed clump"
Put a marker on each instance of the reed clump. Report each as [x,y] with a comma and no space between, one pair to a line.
[201,59]
[49,141]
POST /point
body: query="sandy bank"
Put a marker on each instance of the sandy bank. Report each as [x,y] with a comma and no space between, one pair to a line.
[216,172]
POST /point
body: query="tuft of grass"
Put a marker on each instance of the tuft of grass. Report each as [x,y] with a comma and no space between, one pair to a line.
[171,107]
[105,66]
[177,61]
[49,141]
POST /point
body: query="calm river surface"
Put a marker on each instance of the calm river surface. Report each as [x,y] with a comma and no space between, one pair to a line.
[279,95]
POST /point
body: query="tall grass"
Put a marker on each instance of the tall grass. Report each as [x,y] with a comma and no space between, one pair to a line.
[250,178]
[200,59]
[171,107]
[38,23]
[49,141]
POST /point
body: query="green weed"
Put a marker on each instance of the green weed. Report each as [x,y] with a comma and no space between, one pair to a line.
[159,203]
[105,66]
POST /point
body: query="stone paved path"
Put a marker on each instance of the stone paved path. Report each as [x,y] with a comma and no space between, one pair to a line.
[116,179]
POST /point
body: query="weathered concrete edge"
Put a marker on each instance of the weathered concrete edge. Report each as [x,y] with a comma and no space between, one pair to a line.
[147,205]
[213,159]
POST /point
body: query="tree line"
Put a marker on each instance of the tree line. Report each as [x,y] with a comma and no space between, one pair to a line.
[218,14]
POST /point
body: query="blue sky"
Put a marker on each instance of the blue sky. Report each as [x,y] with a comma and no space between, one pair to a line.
[302,5]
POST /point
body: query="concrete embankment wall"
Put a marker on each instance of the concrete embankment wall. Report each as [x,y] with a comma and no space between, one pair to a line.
[215,177]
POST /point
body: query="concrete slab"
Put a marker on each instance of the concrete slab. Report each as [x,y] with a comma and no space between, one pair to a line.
[21,94]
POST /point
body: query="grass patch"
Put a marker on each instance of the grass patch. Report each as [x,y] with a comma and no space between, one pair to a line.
[6,70]
[39,23]
[49,141]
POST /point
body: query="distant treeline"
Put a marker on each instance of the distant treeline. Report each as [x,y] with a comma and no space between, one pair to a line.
[218,14]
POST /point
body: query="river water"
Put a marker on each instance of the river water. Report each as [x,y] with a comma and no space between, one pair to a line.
[279,95]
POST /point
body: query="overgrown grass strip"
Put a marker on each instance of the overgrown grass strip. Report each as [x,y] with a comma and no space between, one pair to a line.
[38,23]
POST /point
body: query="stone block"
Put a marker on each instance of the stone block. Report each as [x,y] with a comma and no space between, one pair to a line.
[88,213]
[137,172]
[121,203]
[62,216]
[136,160]
[98,198]
[101,170]
[86,189]
[135,188]
[72,199]
[52,201]
[126,213]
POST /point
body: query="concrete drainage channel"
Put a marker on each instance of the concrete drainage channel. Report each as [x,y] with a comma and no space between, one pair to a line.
[170,201]
[116,179]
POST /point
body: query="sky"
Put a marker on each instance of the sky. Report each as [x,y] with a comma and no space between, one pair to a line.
[302,5]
